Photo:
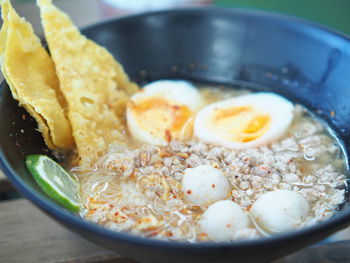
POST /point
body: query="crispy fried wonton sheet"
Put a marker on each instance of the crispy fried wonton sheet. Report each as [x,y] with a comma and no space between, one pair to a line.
[30,73]
[94,84]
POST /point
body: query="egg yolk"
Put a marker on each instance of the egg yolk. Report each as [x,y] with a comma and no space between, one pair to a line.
[163,118]
[241,123]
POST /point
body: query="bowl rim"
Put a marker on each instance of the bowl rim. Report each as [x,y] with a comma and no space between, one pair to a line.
[337,222]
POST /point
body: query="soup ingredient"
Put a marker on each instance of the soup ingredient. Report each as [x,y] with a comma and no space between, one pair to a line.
[222,220]
[280,210]
[30,74]
[156,173]
[94,84]
[245,121]
[162,111]
[55,181]
[204,184]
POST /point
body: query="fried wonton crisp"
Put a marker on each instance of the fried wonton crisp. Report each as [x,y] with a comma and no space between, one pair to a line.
[30,74]
[94,84]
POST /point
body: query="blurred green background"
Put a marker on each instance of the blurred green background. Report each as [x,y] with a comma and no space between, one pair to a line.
[332,13]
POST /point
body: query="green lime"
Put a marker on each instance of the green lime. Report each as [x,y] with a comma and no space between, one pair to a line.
[56,182]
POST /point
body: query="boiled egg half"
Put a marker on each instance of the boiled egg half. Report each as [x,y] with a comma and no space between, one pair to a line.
[163,110]
[245,121]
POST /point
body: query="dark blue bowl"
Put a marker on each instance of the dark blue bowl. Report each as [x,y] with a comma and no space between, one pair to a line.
[305,62]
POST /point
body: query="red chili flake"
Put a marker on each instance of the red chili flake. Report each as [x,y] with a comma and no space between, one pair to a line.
[249,207]
[213,185]
[168,136]
[176,107]
[116,213]
[123,217]
[233,199]
[169,234]
[189,192]
[332,113]
[228,225]
[153,234]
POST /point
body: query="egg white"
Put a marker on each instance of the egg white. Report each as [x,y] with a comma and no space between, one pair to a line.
[279,109]
[179,91]
[176,92]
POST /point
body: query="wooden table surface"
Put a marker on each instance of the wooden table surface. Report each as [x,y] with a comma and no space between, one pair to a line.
[27,235]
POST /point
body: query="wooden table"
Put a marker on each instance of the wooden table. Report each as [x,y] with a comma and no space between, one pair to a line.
[27,235]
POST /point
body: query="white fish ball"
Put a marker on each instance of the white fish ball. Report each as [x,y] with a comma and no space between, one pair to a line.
[204,184]
[280,210]
[223,219]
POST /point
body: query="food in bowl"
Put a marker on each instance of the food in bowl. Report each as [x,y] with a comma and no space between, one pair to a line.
[182,161]
[240,187]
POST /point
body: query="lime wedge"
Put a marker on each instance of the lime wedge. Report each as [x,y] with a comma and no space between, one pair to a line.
[54,181]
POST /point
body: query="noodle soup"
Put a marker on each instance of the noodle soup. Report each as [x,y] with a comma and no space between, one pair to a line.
[174,160]
[192,189]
